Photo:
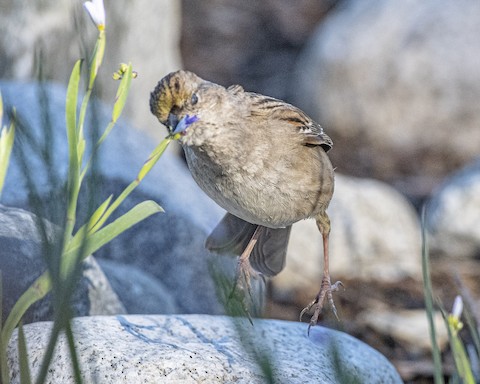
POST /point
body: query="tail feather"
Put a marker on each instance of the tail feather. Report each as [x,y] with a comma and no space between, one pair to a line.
[232,235]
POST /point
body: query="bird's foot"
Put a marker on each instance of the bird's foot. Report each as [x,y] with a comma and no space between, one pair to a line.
[317,304]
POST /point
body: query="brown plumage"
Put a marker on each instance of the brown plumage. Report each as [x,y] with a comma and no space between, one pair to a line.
[263,160]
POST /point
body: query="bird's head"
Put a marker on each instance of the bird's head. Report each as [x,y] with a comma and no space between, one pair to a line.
[173,98]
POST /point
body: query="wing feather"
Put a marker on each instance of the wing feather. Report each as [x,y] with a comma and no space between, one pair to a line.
[312,132]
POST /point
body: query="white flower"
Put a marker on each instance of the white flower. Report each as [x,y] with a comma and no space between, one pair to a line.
[96,10]
[457,307]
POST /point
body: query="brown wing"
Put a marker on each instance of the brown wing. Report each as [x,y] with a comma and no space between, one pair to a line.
[312,133]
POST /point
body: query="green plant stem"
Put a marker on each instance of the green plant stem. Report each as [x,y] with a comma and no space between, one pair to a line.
[120,100]
[97,59]
[427,290]
[78,139]
[3,342]
[73,184]
[460,357]
[57,327]
[71,345]
[7,137]
[25,377]
[147,166]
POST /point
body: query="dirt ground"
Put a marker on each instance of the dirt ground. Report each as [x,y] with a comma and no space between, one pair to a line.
[370,297]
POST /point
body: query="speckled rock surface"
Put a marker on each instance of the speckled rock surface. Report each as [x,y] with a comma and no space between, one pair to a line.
[204,349]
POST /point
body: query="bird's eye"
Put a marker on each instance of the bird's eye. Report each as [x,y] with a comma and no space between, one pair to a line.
[194,99]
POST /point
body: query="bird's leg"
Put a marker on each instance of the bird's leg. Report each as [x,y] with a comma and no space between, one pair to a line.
[244,269]
[326,289]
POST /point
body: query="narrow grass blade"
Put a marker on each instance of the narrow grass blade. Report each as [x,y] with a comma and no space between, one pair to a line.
[25,376]
[97,58]
[122,93]
[71,106]
[99,212]
[428,293]
[153,158]
[73,146]
[1,109]
[7,137]
[73,353]
[4,374]
[40,287]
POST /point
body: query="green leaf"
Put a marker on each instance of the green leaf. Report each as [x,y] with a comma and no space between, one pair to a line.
[154,156]
[73,136]
[97,58]
[81,144]
[98,239]
[25,377]
[125,193]
[460,357]
[99,213]
[39,288]
[7,137]
[71,104]
[73,353]
[1,109]
[4,374]
[122,93]
[428,294]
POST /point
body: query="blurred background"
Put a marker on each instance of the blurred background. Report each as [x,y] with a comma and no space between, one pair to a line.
[395,84]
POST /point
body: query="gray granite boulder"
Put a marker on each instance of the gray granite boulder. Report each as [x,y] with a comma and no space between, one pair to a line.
[199,348]
[138,290]
[396,85]
[453,214]
[22,261]
[248,42]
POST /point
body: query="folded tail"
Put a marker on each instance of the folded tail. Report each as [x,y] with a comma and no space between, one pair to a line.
[232,234]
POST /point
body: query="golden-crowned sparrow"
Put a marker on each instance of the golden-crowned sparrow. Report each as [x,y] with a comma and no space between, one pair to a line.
[263,160]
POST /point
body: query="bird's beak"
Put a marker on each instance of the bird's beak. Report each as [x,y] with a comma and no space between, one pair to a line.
[172,122]
[180,127]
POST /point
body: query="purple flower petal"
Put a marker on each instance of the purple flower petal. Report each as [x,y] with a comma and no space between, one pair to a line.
[185,123]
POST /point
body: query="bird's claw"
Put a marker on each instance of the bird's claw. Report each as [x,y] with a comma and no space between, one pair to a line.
[317,304]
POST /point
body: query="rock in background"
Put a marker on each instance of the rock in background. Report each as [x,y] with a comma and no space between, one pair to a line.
[396,84]
[59,32]
[453,215]
[248,42]
[22,260]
